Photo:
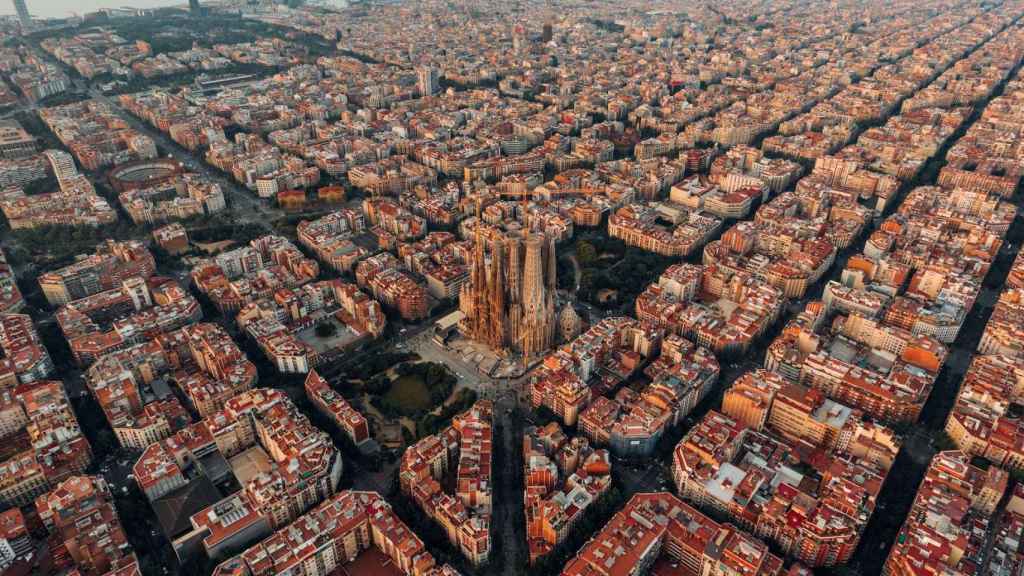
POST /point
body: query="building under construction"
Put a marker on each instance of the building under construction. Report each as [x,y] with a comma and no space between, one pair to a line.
[509,301]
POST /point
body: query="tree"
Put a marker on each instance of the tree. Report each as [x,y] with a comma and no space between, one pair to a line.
[106,442]
[943,442]
[435,374]
[426,425]
[378,385]
[587,281]
[407,436]
[585,253]
[325,329]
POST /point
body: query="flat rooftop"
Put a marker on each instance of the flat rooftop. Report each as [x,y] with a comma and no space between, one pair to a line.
[12,133]
[250,464]
[372,562]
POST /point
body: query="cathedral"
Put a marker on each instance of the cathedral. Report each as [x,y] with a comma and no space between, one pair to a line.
[509,300]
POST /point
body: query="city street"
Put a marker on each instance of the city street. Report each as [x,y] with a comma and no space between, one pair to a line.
[244,204]
[779,146]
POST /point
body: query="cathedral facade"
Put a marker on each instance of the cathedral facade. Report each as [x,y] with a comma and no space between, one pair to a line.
[509,300]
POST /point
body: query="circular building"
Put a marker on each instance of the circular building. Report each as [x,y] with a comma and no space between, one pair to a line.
[143,174]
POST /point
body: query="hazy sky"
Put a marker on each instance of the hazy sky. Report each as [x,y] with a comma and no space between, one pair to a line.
[63,8]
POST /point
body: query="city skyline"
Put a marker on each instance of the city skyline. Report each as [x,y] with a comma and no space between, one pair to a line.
[479,288]
[68,8]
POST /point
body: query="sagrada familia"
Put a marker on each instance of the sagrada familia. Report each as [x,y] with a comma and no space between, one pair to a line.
[509,300]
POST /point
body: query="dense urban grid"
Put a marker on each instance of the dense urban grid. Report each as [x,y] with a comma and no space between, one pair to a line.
[479,287]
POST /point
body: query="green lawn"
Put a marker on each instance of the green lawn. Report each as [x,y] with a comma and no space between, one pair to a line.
[409,394]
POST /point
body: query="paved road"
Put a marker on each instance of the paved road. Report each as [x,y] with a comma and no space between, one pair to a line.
[509,521]
[577,273]
[244,204]
[893,503]
[247,207]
